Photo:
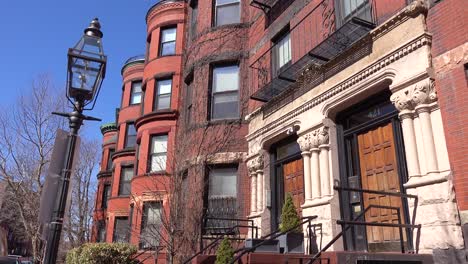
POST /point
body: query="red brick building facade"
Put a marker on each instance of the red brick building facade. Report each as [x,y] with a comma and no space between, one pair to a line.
[239,103]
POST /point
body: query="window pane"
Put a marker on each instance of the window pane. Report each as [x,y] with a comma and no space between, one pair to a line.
[168,34]
[126,176]
[159,144]
[158,162]
[136,93]
[164,102]
[168,48]
[223,182]
[127,173]
[284,50]
[164,86]
[121,230]
[226,78]
[223,2]
[227,14]
[131,135]
[225,106]
[150,225]
[109,159]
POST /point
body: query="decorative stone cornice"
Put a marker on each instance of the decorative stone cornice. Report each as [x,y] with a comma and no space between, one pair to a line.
[161,5]
[420,93]
[109,127]
[414,9]
[256,163]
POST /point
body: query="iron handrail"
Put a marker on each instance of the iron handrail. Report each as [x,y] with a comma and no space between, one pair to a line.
[277,233]
[349,224]
[210,245]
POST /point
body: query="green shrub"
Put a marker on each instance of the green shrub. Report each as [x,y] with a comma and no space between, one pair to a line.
[105,253]
[289,217]
[225,253]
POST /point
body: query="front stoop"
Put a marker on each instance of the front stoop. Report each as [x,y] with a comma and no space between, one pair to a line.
[333,257]
[341,257]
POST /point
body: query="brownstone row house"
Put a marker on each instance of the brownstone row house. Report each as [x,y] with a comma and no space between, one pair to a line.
[356,108]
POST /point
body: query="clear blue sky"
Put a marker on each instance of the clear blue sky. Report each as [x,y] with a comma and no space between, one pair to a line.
[36,35]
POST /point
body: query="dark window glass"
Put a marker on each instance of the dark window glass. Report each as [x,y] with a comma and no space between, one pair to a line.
[225,92]
[135,97]
[227,12]
[281,52]
[193,21]
[162,99]
[354,8]
[126,175]
[168,41]
[130,137]
[121,232]
[287,150]
[150,225]
[188,98]
[101,232]
[106,192]
[109,159]
[158,153]
[148,48]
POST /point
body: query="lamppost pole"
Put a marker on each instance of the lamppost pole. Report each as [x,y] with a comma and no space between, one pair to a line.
[55,227]
[86,70]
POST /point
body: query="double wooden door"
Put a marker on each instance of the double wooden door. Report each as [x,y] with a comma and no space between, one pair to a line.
[379,171]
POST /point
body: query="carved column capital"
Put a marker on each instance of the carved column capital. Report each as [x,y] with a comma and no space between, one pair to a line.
[420,93]
[255,164]
[305,142]
[323,137]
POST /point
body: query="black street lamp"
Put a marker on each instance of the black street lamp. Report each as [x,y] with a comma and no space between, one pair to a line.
[86,70]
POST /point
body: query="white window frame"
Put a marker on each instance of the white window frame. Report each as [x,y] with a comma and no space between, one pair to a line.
[161,45]
[229,91]
[157,160]
[134,95]
[230,3]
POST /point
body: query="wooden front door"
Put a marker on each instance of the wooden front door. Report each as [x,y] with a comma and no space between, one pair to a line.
[293,178]
[379,171]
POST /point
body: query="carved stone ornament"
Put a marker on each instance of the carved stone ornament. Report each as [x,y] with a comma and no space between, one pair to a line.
[256,163]
[304,142]
[420,93]
[322,136]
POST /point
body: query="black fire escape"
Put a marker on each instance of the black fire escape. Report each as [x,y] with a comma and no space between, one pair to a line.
[317,39]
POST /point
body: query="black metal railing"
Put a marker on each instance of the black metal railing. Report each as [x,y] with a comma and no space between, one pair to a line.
[311,235]
[318,36]
[347,224]
[235,229]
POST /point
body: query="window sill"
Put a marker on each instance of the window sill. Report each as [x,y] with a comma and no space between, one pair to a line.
[226,121]
[156,173]
[168,55]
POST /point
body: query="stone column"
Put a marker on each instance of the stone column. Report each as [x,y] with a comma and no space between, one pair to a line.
[323,140]
[253,189]
[424,114]
[260,188]
[411,151]
[315,166]
[253,185]
[304,144]
[422,95]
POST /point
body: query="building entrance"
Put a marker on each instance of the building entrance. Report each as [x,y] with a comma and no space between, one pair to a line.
[372,158]
[288,178]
